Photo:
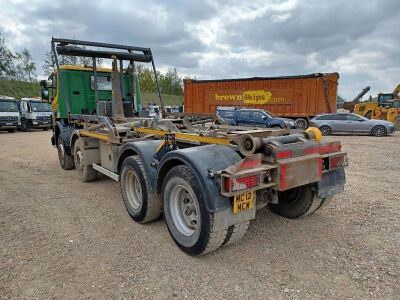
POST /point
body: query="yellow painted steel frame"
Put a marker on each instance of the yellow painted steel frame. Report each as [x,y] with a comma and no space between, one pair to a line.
[184,136]
[99,136]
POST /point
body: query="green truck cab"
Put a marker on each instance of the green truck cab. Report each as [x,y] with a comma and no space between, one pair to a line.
[74,86]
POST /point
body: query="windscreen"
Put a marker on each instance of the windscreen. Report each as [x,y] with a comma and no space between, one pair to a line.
[270,114]
[40,106]
[9,106]
[103,83]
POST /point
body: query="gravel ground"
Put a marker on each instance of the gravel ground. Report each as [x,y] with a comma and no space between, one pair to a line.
[61,238]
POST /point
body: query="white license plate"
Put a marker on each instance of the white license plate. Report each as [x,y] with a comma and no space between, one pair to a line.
[34,123]
[8,123]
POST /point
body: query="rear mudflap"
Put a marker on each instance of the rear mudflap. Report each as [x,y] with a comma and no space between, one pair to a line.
[331,183]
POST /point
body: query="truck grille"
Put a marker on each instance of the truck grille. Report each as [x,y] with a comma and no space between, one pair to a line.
[43,118]
[8,119]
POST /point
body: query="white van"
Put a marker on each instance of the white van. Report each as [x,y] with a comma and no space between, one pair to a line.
[35,114]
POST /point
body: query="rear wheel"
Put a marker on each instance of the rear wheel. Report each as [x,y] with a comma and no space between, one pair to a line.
[236,233]
[24,125]
[66,160]
[301,123]
[141,206]
[85,170]
[297,202]
[397,123]
[189,223]
[325,130]
[379,131]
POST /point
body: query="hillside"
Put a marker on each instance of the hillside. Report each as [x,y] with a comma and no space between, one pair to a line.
[20,89]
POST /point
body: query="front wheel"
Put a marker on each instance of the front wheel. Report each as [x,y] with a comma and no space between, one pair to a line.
[189,223]
[12,130]
[66,160]
[45,128]
[24,125]
[297,202]
[379,131]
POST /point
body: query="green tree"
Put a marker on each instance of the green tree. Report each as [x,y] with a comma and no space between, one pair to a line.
[50,64]
[7,66]
[25,66]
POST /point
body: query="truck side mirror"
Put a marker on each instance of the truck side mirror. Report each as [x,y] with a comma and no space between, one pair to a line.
[264,117]
[43,83]
[45,93]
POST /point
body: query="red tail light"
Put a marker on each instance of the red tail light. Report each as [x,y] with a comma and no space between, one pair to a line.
[337,161]
[234,184]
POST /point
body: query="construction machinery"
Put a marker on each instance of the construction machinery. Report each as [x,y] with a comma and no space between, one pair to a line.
[207,179]
[350,105]
[387,107]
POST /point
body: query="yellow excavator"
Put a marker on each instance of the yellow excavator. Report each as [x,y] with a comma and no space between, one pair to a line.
[387,107]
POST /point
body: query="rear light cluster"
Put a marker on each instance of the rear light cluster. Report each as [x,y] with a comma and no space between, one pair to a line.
[335,161]
[239,183]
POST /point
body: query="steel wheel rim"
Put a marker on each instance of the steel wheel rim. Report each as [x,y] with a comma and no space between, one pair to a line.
[79,159]
[301,125]
[133,189]
[185,210]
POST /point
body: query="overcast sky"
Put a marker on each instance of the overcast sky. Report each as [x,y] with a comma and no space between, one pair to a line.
[228,39]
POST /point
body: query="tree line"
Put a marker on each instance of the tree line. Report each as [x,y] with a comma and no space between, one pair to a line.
[16,65]
[21,66]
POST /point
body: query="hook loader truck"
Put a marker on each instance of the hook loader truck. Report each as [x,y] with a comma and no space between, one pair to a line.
[208,179]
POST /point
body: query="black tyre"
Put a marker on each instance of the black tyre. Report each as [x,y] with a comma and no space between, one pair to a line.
[325,130]
[45,128]
[12,130]
[236,233]
[24,125]
[397,123]
[189,223]
[296,202]
[276,127]
[379,131]
[85,170]
[301,123]
[66,160]
[141,206]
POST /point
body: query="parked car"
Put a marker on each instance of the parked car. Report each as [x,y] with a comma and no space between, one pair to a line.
[9,114]
[254,118]
[347,123]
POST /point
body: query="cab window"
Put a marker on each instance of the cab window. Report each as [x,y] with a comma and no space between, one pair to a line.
[257,115]
[244,115]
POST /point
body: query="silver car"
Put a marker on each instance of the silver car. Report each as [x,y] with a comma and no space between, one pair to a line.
[346,123]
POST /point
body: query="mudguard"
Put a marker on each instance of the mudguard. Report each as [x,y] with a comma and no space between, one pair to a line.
[146,151]
[204,161]
[65,130]
[331,183]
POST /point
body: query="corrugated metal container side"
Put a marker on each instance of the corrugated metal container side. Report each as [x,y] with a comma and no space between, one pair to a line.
[291,96]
